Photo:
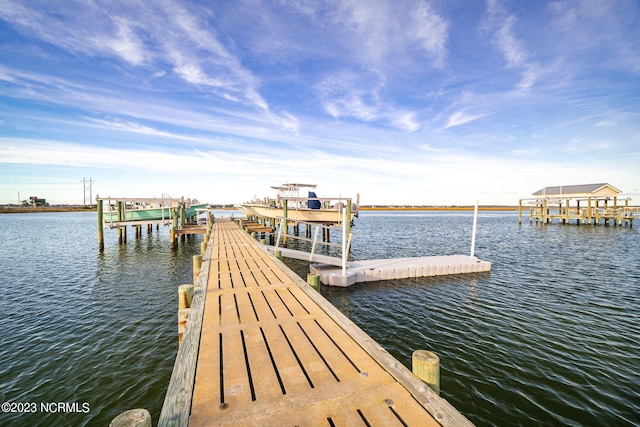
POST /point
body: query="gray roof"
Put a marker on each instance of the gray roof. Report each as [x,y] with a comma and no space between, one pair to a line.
[573,189]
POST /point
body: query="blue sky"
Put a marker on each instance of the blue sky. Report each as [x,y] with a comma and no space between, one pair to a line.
[405,102]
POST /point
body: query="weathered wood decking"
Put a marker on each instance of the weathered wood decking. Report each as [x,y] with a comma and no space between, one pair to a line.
[264,348]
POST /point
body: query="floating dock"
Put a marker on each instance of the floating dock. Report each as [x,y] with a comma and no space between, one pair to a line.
[261,347]
[398,268]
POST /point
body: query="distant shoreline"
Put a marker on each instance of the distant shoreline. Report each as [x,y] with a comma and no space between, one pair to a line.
[28,209]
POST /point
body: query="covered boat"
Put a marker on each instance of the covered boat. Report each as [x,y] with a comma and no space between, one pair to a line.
[289,204]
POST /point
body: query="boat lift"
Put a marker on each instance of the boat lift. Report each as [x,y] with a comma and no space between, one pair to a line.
[312,256]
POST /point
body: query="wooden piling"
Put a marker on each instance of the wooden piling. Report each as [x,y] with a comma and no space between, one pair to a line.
[100,224]
[426,366]
[120,214]
[132,418]
[197,265]
[520,213]
[314,281]
[185,296]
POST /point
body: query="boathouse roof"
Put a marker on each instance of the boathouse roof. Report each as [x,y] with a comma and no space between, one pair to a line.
[583,190]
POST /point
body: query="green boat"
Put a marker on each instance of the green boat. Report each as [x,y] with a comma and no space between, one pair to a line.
[139,213]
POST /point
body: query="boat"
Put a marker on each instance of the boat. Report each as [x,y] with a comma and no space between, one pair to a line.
[157,211]
[311,208]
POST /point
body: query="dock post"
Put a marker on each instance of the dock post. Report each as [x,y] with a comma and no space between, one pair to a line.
[197,265]
[119,211]
[183,221]
[185,296]
[520,213]
[100,225]
[172,237]
[426,366]
[132,417]
[203,247]
[174,212]
[314,281]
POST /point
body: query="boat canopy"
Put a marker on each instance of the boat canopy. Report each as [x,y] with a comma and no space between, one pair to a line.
[313,202]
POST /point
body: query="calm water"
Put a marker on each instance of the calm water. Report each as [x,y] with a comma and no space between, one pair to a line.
[83,327]
[550,337]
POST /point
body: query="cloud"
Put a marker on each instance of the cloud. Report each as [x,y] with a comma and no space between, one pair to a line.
[170,37]
[125,43]
[461,117]
[590,29]
[513,50]
[431,32]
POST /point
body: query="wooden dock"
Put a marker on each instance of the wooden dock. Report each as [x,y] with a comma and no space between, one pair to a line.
[261,347]
[600,202]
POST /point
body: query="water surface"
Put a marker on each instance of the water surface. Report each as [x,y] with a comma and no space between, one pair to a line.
[551,336]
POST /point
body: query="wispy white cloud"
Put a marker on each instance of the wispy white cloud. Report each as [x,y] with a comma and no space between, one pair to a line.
[431,32]
[588,29]
[461,117]
[169,34]
[513,49]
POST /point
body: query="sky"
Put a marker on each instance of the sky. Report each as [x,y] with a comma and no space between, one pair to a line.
[406,102]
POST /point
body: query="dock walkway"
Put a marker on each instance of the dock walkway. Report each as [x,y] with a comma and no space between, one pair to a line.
[273,351]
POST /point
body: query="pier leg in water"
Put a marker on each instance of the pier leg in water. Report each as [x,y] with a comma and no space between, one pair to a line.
[426,366]
[100,225]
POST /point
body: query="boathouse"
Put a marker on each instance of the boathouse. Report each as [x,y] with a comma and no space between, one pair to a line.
[584,203]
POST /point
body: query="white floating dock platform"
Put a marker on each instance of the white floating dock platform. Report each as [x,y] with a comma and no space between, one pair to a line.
[398,268]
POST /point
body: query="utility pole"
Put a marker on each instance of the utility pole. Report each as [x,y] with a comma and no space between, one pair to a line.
[87,185]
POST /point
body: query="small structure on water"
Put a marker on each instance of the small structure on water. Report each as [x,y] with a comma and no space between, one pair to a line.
[585,203]
[121,212]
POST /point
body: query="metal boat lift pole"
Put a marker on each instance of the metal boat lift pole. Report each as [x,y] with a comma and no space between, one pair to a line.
[473,233]
[344,241]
